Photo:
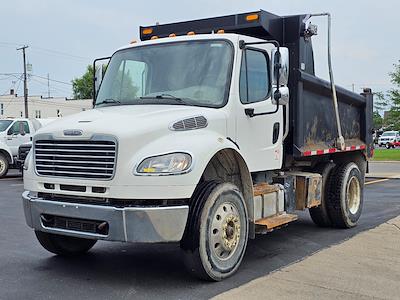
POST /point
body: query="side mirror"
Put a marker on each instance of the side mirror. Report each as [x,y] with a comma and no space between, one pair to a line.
[99,69]
[280,66]
[281,96]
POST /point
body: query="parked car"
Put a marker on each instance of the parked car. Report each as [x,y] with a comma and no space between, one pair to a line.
[389,139]
[13,134]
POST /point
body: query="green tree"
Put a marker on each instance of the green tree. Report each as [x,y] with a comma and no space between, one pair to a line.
[378,120]
[393,119]
[82,87]
[380,104]
[389,102]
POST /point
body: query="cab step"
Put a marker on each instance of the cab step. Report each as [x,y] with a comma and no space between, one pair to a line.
[276,221]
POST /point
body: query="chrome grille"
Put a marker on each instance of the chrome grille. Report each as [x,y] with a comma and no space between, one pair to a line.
[94,159]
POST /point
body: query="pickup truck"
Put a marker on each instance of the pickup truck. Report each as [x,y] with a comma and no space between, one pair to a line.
[13,133]
[389,139]
[204,133]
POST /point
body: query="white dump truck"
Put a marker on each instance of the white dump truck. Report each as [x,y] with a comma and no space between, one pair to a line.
[205,133]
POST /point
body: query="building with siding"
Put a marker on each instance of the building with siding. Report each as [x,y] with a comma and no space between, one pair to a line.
[12,106]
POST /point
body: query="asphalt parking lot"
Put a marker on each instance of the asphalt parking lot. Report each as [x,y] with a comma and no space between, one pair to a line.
[122,271]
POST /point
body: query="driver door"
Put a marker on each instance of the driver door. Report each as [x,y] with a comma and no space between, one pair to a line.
[18,134]
[259,137]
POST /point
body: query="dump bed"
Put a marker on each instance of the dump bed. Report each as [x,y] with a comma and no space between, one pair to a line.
[313,129]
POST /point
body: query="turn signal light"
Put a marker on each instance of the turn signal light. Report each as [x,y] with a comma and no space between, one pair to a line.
[250,18]
[191,33]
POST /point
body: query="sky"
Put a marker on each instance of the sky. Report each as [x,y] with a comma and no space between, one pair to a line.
[65,36]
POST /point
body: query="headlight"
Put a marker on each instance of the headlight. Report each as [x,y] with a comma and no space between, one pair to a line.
[173,163]
[27,160]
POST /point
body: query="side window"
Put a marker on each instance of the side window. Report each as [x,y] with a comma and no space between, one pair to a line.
[255,84]
[15,128]
[26,127]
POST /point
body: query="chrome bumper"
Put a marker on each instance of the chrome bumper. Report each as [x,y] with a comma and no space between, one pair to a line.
[129,224]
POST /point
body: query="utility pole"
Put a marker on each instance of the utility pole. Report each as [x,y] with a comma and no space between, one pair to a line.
[25,82]
[48,85]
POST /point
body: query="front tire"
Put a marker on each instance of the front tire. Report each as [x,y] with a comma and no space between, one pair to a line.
[64,245]
[4,165]
[346,195]
[216,235]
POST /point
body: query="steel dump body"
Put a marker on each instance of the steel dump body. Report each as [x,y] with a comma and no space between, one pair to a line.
[312,117]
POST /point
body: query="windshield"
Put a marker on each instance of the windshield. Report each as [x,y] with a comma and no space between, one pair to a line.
[4,124]
[389,134]
[190,73]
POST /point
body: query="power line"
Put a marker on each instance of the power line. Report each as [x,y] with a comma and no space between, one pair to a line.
[53,88]
[54,80]
[60,53]
[42,49]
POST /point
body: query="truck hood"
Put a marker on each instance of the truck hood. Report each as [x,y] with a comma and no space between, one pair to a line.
[134,120]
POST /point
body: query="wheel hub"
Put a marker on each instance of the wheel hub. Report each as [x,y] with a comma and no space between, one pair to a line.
[231,232]
[353,195]
[2,166]
[225,231]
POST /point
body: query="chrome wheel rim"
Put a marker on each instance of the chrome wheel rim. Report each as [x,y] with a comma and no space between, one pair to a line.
[225,231]
[353,195]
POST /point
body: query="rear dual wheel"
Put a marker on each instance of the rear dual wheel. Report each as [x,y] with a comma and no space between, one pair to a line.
[216,235]
[342,196]
[346,195]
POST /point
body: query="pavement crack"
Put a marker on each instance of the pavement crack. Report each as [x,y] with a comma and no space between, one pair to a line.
[328,288]
[395,225]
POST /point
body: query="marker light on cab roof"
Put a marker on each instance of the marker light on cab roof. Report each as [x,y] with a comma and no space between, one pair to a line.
[147,31]
[252,17]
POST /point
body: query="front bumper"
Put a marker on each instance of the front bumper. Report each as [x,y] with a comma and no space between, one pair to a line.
[128,224]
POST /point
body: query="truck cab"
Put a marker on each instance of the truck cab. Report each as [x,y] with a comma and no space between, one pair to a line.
[13,133]
[205,133]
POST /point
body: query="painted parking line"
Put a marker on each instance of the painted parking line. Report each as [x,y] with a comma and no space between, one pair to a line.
[377,181]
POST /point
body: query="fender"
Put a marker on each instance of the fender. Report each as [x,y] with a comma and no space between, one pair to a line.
[7,151]
[202,145]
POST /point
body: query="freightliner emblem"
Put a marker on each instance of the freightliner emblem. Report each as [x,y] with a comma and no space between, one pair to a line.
[72,132]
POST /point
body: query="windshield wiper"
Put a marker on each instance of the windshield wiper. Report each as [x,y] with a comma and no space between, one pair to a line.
[165,96]
[109,101]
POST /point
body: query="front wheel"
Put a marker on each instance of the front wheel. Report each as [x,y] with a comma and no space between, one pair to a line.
[216,235]
[64,245]
[346,195]
[3,165]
